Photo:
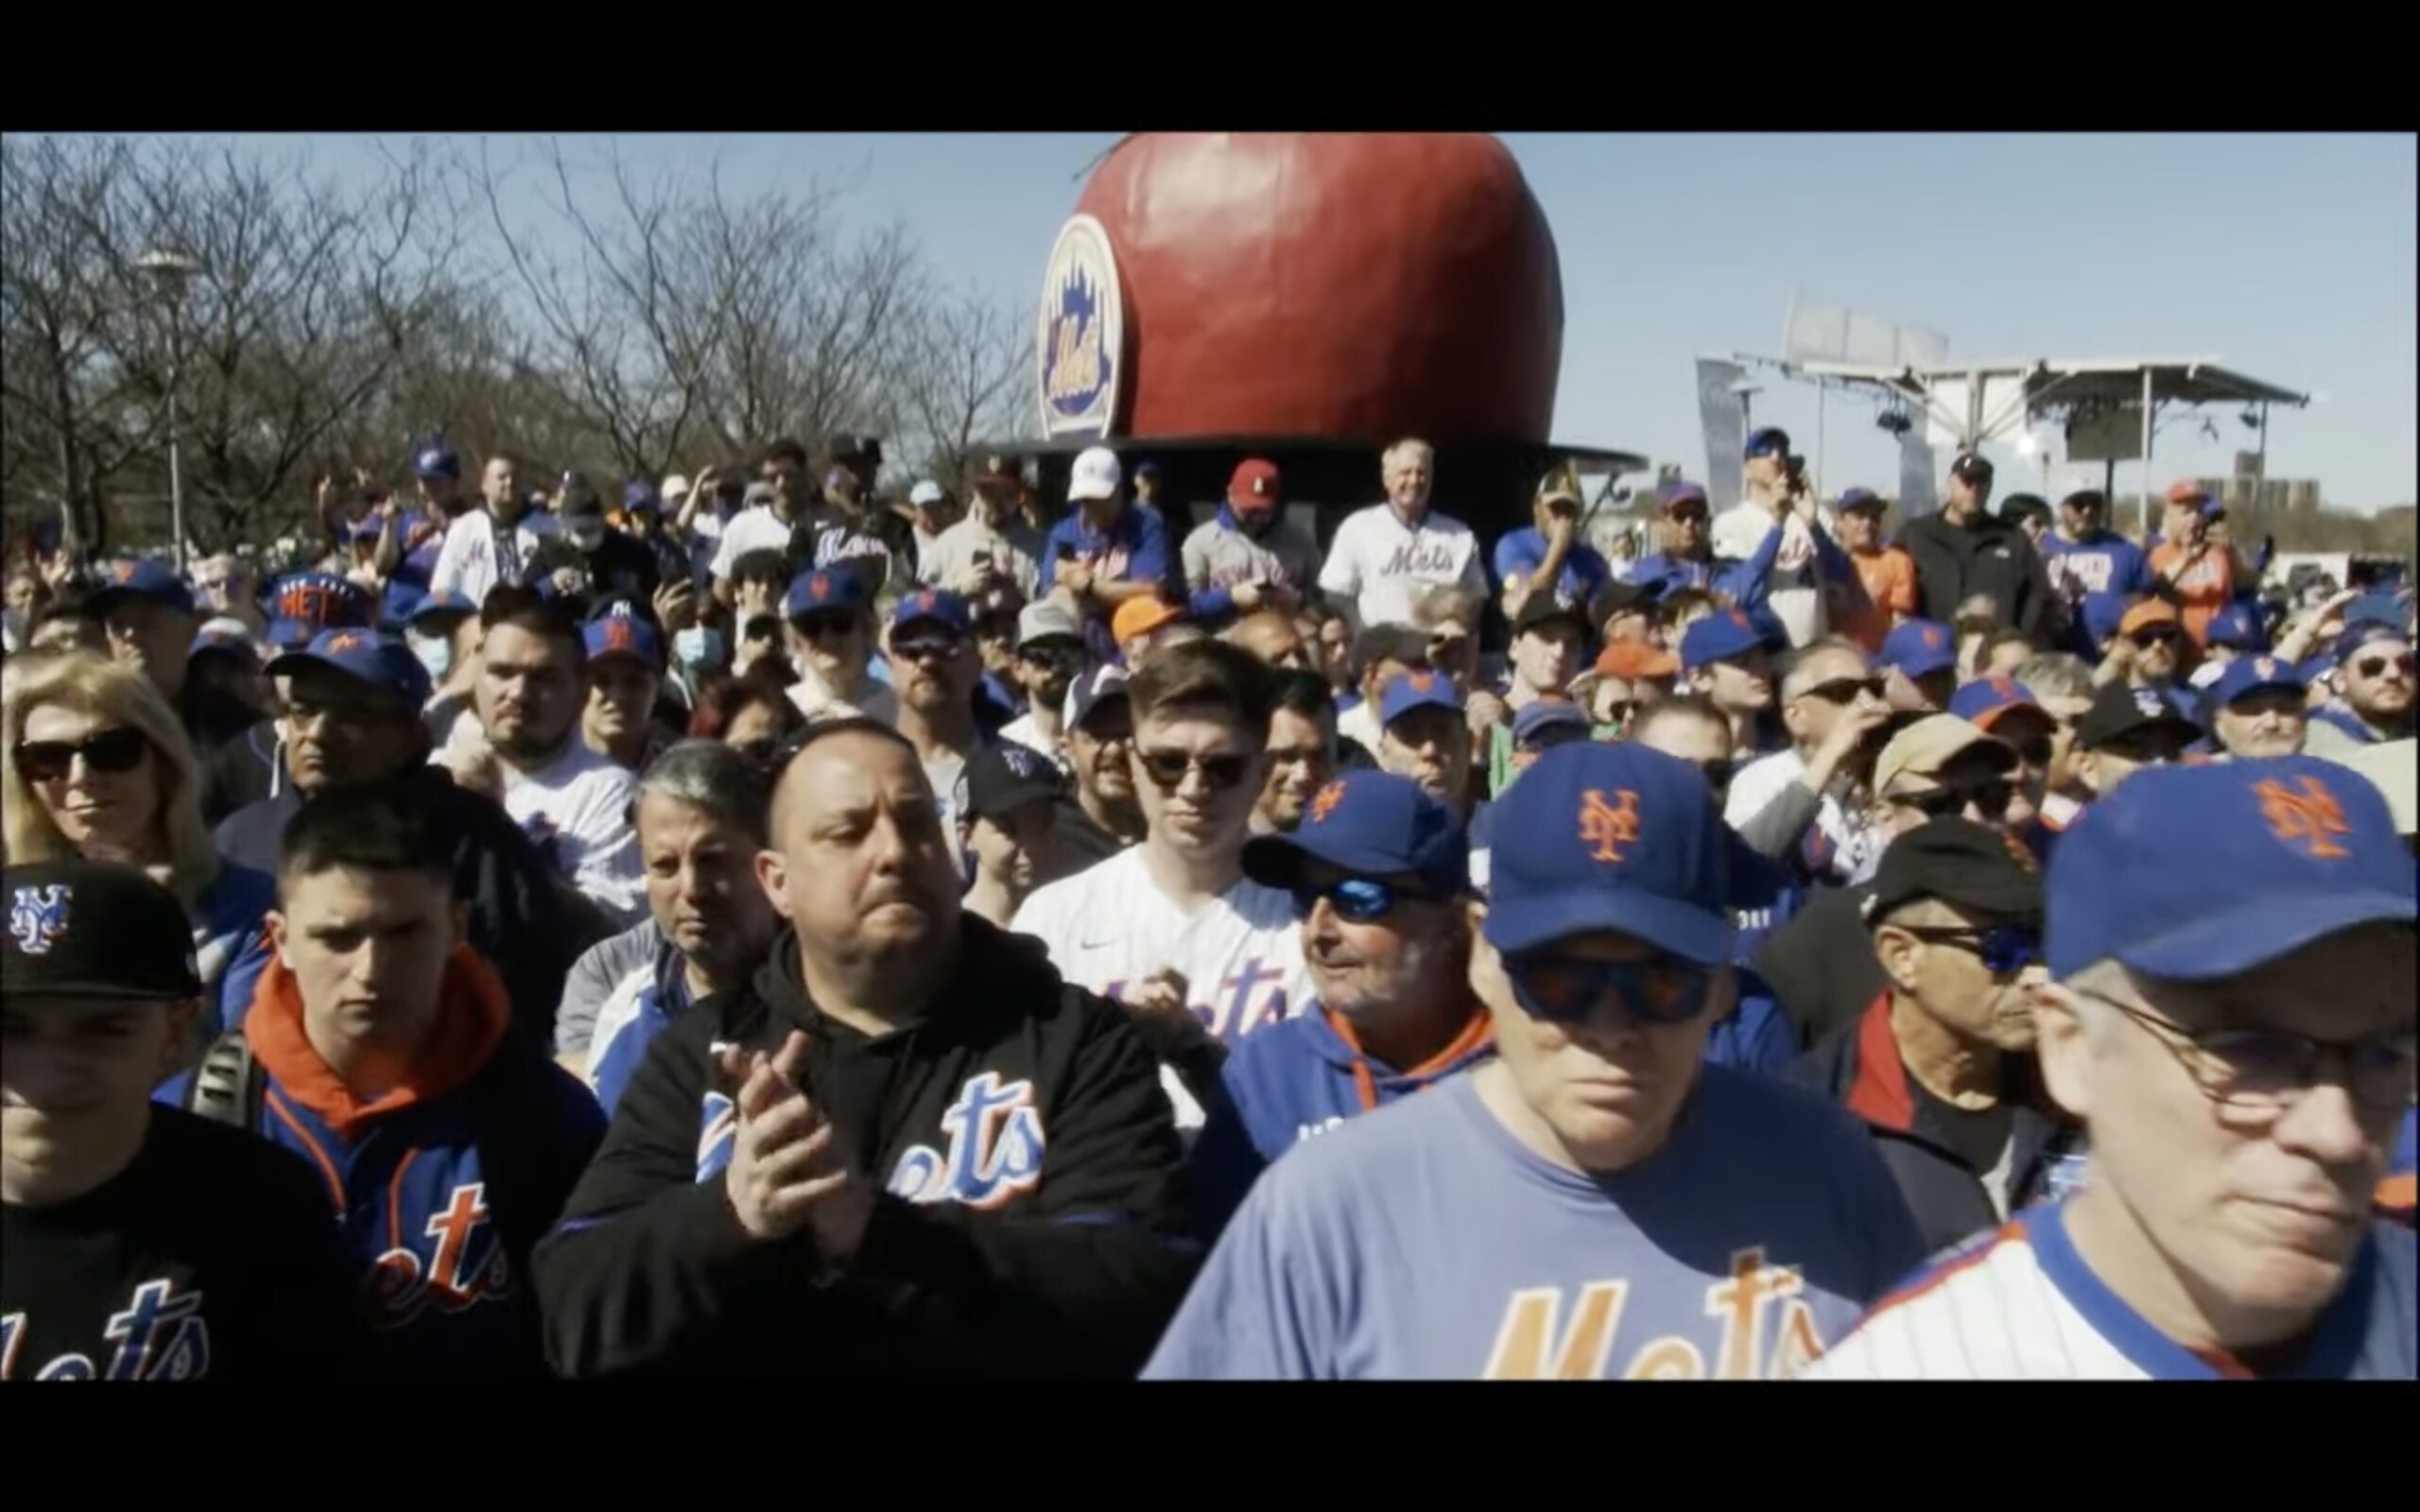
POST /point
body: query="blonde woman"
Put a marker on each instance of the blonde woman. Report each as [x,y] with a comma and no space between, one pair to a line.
[94,762]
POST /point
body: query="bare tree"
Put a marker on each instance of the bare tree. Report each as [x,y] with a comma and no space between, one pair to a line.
[966,377]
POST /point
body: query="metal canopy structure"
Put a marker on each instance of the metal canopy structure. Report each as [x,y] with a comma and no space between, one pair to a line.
[1974,402]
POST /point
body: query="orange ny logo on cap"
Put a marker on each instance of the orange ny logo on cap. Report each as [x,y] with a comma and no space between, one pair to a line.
[1325,804]
[122,571]
[2306,818]
[925,600]
[2266,667]
[1422,682]
[1605,828]
[820,584]
[617,634]
[1932,636]
[346,642]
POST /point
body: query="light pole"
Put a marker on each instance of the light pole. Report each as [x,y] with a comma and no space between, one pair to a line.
[171,271]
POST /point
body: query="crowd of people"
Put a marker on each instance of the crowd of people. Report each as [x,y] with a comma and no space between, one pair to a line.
[764,927]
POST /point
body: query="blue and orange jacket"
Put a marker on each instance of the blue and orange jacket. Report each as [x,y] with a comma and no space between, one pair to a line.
[2395,1189]
[442,1186]
[1295,1080]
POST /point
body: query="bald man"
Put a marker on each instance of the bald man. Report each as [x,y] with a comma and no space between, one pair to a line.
[922,1153]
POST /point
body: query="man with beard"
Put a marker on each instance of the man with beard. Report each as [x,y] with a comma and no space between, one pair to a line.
[922,1153]
[1302,750]
[2147,654]
[830,637]
[1050,653]
[1201,955]
[496,542]
[1248,557]
[1940,1065]
[1378,872]
[2374,675]
[525,750]
[2237,1032]
[350,718]
[701,820]
[1104,817]
[934,663]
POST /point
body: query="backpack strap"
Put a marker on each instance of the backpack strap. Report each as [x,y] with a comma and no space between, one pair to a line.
[228,1085]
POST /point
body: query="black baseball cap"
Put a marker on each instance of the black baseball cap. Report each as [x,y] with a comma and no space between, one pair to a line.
[1960,862]
[2019,506]
[1972,466]
[81,930]
[1545,609]
[1001,779]
[2120,711]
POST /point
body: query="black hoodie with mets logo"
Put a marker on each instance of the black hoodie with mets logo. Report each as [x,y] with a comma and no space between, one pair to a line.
[1032,1221]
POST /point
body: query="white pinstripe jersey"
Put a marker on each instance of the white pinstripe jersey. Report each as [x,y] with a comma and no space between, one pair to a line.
[2020,1304]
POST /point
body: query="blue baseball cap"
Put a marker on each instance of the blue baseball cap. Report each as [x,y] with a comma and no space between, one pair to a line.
[142,577]
[1613,838]
[300,604]
[1680,493]
[436,460]
[1545,713]
[933,604]
[1766,442]
[1416,689]
[2283,852]
[1982,701]
[365,655]
[638,493]
[622,633]
[223,635]
[437,605]
[1371,824]
[2376,608]
[2367,633]
[1719,637]
[1920,648]
[1860,499]
[2236,628]
[2313,668]
[2246,673]
[403,597]
[824,590]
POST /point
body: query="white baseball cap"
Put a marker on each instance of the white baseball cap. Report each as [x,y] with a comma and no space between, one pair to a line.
[1096,475]
[925,493]
[673,489]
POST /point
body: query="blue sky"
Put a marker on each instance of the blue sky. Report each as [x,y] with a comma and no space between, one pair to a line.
[2289,257]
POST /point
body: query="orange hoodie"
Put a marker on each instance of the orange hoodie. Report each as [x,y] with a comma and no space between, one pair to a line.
[471,1015]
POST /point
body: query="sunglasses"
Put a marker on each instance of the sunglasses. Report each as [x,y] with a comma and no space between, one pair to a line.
[1693,514]
[1844,690]
[2006,949]
[1052,656]
[1356,900]
[1561,989]
[1167,768]
[1991,800]
[824,626]
[926,647]
[2146,639]
[110,750]
[2376,666]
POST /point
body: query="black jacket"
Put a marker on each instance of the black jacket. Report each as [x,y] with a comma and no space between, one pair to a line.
[1821,964]
[1987,556]
[518,920]
[1859,1067]
[239,772]
[1045,1231]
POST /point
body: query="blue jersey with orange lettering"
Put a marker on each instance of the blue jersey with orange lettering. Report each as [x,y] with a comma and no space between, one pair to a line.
[1425,1241]
[2022,1304]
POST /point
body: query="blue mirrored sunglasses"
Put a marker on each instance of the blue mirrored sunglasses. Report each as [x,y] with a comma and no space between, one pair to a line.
[1563,989]
[1356,900]
[2006,949]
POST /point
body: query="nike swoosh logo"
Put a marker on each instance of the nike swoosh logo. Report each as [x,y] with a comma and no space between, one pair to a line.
[1096,944]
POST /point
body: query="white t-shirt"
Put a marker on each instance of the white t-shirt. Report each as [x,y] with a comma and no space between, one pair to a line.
[1795,589]
[815,698]
[706,529]
[754,529]
[1856,846]
[1021,729]
[467,562]
[1110,926]
[575,809]
[1385,565]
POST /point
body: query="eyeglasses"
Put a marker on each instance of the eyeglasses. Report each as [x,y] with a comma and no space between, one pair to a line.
[824,626]
[1168,768]
[108,750]
[1692,514]
[1564,990]
[1844,690]
[2267,1070]
[2146,639]
[2376,666]
[1356,900]
[926,647]
[2006,949]
[1991,800]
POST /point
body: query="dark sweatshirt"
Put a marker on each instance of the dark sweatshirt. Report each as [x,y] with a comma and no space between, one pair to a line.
[1034,1221]
[1985,555]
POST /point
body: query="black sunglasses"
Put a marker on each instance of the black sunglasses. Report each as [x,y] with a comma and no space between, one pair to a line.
[108,750]
[1168,768]
[2375,666]
[2006,949]
[1562,989]
[824,626]
[1356,900]
[926,647]
[1051,655]
[1844,690]
[2146,639]
[1991,800]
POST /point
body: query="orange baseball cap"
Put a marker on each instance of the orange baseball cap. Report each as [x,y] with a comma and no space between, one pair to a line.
[2185,490]
[1632,659]
[2149,612]
[1140,617]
